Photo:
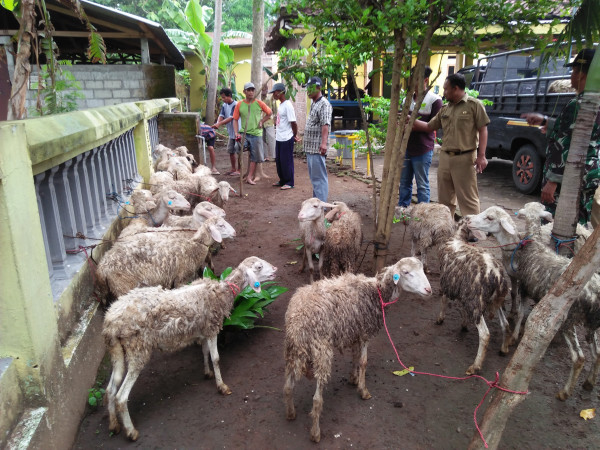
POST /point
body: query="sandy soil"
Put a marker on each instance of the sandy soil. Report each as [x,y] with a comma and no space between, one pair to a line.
[172,405]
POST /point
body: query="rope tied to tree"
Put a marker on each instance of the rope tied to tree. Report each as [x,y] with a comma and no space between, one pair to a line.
[562,242]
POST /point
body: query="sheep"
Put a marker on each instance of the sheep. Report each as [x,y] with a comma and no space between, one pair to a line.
[312,231]
[202,170]
[161,154]
[183,151]
[160,256]
[428,225]
[154,318]
[154,212]
[343,239]
[195,188]
[172,162]
[478,283]
[537,268]
[337,313]
[202,211]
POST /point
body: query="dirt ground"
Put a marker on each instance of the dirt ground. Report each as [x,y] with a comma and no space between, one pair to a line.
[173,406]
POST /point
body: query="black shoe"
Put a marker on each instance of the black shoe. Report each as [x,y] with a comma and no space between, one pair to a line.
[473,239]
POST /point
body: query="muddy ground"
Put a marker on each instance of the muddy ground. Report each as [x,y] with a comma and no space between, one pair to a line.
[174,407]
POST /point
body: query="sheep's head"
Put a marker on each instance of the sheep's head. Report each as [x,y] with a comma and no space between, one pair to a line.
[408,274]
[181,150]
[312,209]
[218,228]
[222,191]
[178,164]
[493,220]
[257,270]
[338,209]
[174,200]
[206,210]
[533,212]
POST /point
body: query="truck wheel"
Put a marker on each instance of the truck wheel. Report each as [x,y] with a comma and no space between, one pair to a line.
[527,169]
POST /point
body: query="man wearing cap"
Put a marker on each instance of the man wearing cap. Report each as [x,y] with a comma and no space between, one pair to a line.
[316,136]
[559,142]
[251,118]
[286,130]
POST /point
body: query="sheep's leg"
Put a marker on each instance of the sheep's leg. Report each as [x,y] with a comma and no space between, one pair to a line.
[123,396]
[315,431]
[362,369]
[118,363]
[214,356]
[424,260]
[354,375]
[442,315]
[484,339]
[311,267]
[590,380]
[288,392]
[413,247]
[514,289]
[577,360]
[321,259]
[505,332]
[207,372]
[520,312]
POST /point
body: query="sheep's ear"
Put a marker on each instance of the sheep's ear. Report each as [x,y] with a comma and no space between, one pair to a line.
[507,226]
[215,233]
[253,280]
[327,205]
[396,277]
[150,205]
[213,192]
[331,214]
[547,215]
[478,234]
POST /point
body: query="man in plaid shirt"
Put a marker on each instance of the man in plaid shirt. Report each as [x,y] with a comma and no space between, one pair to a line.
[316,136]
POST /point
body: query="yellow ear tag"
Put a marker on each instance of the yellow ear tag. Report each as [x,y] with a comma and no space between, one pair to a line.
[586,414]
[401,373]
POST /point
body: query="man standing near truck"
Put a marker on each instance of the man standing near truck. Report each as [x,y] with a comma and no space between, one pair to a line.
[463,121]
[559,142]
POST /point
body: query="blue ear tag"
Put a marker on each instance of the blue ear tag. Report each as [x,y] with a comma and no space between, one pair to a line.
[396,277]
[170,202]
[127,203]
[516,213]
[256,284]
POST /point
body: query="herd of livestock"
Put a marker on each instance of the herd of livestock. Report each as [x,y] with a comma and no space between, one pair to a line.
[149,279]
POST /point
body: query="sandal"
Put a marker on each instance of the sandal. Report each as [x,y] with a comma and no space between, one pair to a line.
[216,172]
[285,187]
[278,184]
[234,174]
[250,182]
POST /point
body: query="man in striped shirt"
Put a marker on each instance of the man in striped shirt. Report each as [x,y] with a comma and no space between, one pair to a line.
[316,137]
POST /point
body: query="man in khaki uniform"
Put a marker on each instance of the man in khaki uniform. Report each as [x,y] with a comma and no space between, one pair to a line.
[464,123]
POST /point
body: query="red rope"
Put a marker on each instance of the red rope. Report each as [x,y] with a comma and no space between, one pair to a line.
[491,384]
[231,286]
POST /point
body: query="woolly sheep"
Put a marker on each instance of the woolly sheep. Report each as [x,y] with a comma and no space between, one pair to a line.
[154,318]
[337,313]
[153,212]
[428,225]
[538,268]
[343,239]
[160,256]
[173,163]
[478,283]
[202,211]
[312,231]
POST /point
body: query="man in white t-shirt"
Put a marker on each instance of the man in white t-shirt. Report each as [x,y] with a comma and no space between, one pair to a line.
[286,131]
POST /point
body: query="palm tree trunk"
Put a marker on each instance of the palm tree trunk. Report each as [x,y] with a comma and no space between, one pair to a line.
[213,81]
[258,35]
[18,94]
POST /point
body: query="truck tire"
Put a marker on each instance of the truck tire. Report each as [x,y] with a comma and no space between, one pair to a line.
[527,169]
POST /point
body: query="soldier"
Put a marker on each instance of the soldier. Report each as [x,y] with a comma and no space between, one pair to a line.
[559,141]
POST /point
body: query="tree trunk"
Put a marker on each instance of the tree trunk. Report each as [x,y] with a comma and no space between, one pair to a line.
[18,94]
[565,222]
[258,36]
[543,323]
[213,80]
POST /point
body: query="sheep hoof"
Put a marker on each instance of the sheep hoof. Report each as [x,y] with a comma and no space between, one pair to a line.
[114,428]
[439,321]
[133,435]
[588,386]
[224,389]
[315,436]
[502,352]
[562,396]
[291,415]
[209,375]
[473,370]
[365,395]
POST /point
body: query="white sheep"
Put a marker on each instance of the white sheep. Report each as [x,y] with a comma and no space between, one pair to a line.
[428,226]
[478,283]
[312,231]
[202,211]
[537,268]
[159,256]
[153,211]
[343,240]
[154,318]
[337,313]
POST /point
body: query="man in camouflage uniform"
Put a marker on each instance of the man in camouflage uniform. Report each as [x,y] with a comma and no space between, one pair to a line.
[559,142]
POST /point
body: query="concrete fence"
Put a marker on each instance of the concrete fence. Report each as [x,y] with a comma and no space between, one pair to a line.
[61,178]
